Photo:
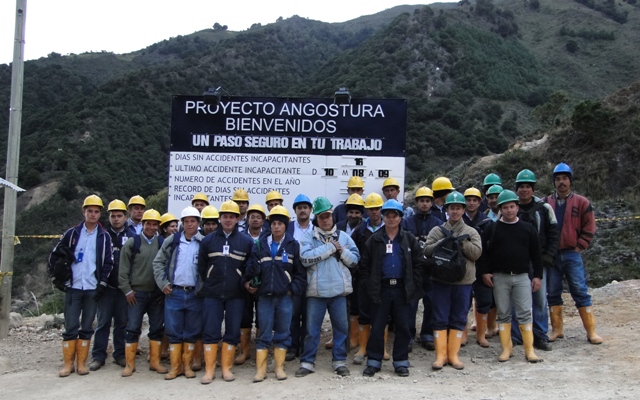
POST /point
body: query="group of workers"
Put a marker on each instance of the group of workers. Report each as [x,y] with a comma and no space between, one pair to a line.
[366,262]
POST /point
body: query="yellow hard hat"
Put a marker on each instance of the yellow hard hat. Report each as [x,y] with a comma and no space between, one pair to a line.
[258,208]
[373,200]
[278,210]
[240,195]
[274,195]
[117,205]
[137,199]
[441,183]
[210,212]
[355,182]
[423,192]
[201,197]
[151,215]
[167,217]
[229,206]
[472,192]
[390,182]
[92,200]
[355,199]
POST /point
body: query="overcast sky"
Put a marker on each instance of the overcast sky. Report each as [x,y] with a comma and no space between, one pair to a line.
[122,26]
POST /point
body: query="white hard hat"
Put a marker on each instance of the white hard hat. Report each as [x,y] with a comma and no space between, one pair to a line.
[190,212]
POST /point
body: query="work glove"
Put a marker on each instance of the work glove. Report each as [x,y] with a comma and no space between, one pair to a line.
[547,260]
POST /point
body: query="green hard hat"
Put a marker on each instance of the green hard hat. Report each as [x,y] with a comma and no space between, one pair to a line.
[492,179]
[507,196]
[495,189]
[526,176]
[455,198]
[320,205]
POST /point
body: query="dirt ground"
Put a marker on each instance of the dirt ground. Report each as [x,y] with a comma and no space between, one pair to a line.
[574,369]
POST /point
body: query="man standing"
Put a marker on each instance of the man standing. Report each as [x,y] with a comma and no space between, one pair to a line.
[136,207]
[577,227]
[391,191]
[355,209]
[113,303]
[175,271]
[81,262]
[440,187]
[392,269]
[541,216]
[241,197]
[327,253]
[492,202]
[509,247]
[143,295]
[354,186]
[223,259]
[199,201]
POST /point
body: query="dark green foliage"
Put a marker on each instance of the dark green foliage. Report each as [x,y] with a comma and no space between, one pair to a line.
[588,34]
[548,112]
[593,119]
[608,8]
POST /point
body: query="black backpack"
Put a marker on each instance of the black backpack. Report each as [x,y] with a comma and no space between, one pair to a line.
[447,263]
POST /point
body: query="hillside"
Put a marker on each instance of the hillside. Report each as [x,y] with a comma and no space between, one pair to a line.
[472,72]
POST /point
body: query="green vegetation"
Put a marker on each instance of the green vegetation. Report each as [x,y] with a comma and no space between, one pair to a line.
[608,8]
[588,34]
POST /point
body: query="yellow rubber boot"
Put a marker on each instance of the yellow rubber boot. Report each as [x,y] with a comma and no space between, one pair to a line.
[465,337]
[130,350]
[440,342]
[196,362]
[505,340]
[82,352]
[187,357]
[557,325]
[527,342]
[245,346]
[279,354]
[69,357]
[363,337]
[481,330]
[226,361]
[210,355]
[453,348]
[492,326]
[353,332]
[386,355]
[175,354]
[589,323]
[261,365]
[154,357]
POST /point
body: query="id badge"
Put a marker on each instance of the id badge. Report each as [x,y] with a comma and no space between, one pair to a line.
[80,256]
[195,258]
[285,257]
[124,240]
[225,250]
[389,248]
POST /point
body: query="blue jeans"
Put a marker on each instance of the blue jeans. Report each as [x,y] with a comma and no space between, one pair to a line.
[275,320]
[215,311]
[426,330]
[393,304]
[112,305]
[568,263]
[298,324]
[316,308]
[78,304]
[540,313]
[152,304]
[182,316]
[452,307]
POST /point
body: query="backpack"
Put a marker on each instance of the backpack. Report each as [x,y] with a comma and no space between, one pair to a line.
[447,263]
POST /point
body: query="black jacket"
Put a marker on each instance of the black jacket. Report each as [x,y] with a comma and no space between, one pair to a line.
[371,265]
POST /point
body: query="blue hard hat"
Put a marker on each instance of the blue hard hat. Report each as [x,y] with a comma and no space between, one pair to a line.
[562,168]
[301,198]
[392,205]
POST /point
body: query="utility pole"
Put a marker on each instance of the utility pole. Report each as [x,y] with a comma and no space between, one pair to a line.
[13,158]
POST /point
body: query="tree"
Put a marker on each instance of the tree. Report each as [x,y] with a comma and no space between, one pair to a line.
[548,112]
[217,27]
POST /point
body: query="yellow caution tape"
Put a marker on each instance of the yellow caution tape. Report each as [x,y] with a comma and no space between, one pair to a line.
[40,236]
[619,218]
